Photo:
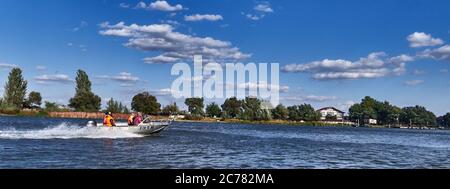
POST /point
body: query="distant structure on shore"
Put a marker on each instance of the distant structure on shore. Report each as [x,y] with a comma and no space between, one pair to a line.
[331,114]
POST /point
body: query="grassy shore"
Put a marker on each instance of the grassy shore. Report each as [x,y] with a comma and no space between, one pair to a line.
[270,122]
[25,114]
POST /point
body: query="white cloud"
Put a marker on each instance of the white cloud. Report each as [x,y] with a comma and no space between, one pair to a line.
[375,65]
[420,39]
[413,82]
[123,77]
[401,59]
[441,53]
[161,59]
[174,46]
[171,22]
[8,66]
[165,92]
[124,5]
[443,70]
[160,6]
[57,78]
[263,85]
[264,8]
[200,17]
[41,68]
[254,17]
[260,11]
[81,46]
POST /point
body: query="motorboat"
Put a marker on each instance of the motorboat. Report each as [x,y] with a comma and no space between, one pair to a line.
[147,127]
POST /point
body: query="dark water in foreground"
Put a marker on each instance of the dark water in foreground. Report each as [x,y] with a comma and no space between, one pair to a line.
[60,143]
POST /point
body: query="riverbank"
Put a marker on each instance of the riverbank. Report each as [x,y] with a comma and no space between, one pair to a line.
[123,117]
[100,115]
[269,122]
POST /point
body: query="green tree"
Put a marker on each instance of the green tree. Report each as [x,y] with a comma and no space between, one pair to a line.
[126,110]
[35,99]
[304,112]
[369,108]
[231,108]
[15,89]
[114,106]
[252,110]
[171,109]
[417,116]
[84,100]
[444,120]
[213,110]
[145,103]
[51,107]
[280,112]
[195,106]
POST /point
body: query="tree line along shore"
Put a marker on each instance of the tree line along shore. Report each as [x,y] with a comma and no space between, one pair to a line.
[16,101]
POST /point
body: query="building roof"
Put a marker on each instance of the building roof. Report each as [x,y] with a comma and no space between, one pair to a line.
[331,108]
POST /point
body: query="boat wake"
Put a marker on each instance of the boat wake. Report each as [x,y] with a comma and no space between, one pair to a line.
[66,131]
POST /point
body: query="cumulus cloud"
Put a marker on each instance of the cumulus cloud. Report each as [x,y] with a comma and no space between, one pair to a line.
[174,46]
[264,8]
[123,77]
[57,78]
[160,6]
[420,39]
[413,82]
[375,65]
[201,17]
[401,59]
[260,11]
[441,53]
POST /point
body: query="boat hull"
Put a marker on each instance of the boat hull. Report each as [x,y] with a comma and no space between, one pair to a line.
[143,129]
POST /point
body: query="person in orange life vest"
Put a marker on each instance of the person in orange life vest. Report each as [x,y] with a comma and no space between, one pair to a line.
[131,119]
[109,120]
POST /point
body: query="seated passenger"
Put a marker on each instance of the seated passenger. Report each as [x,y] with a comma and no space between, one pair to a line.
[138,119]
[109,120]
[131,119]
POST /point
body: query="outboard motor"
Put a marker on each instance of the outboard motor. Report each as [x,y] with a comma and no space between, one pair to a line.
[91,124]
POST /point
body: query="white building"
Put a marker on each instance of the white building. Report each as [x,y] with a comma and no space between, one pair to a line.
[331,112]
[372,121]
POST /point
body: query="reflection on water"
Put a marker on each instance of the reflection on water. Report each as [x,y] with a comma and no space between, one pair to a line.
[62,143]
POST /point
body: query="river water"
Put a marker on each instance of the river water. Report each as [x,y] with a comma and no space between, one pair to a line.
[61,143]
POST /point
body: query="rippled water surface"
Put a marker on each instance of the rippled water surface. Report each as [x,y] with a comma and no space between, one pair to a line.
[62,143]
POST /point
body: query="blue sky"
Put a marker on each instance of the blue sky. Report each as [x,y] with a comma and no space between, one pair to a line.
[332,53]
